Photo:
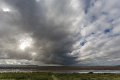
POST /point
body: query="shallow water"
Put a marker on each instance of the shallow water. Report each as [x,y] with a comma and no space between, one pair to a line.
[87,71]
[61,71]
[99,71]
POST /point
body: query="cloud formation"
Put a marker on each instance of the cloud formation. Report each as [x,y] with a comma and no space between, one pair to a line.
[65,32]
[47,27]
[100,33]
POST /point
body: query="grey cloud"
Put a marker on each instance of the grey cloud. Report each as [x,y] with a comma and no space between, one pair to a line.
[67,32]
[52,33]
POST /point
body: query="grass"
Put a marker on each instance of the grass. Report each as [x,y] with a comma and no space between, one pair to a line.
[57,76]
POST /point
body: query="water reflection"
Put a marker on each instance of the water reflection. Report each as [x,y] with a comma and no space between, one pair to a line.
[61,71]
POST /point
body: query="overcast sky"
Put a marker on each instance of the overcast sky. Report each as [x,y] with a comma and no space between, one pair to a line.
[60,32]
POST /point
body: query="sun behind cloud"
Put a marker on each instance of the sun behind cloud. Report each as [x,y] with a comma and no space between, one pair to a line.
[25,42]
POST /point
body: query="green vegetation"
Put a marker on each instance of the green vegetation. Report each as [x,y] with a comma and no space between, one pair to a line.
[57,76]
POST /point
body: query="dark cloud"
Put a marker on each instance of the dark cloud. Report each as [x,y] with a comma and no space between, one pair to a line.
[55,39]
[65,32]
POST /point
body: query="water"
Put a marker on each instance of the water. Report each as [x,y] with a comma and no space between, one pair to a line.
[61,71]
[100,71]
[87,71]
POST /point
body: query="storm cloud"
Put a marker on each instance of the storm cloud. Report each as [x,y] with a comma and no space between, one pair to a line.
[63,32]
[47,24]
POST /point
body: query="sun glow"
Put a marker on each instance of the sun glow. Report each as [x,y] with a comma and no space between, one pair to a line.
[25,43]
[5,9]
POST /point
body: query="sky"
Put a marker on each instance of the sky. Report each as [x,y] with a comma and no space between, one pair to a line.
[60,32]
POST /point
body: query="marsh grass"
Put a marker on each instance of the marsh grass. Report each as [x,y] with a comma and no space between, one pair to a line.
[56,76]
